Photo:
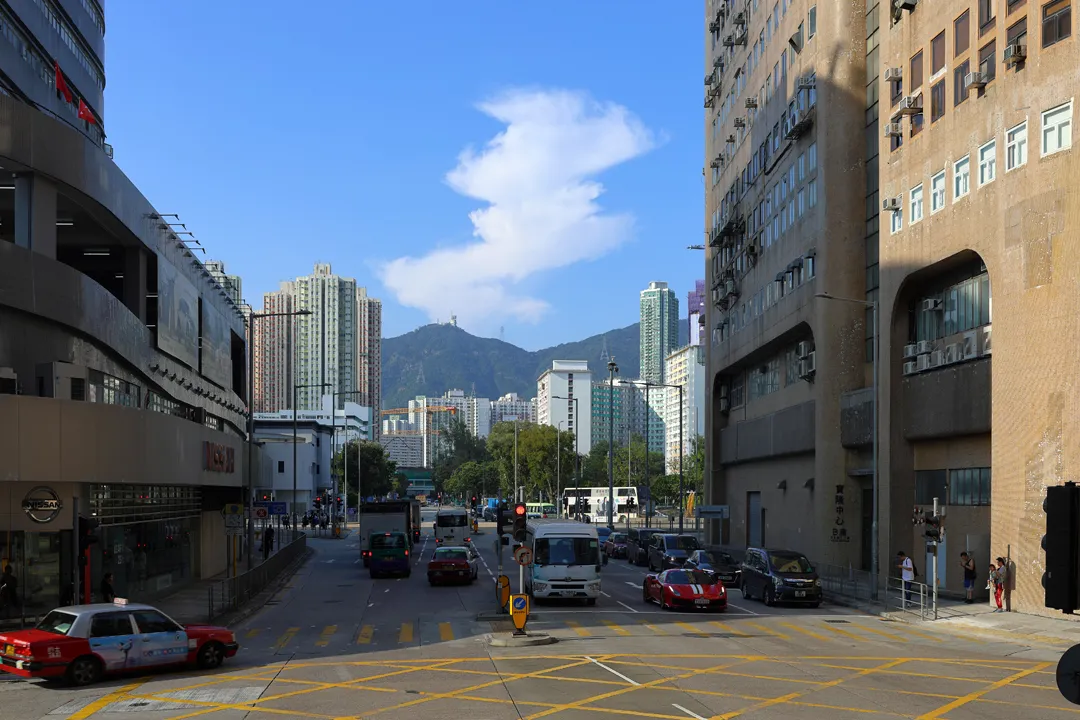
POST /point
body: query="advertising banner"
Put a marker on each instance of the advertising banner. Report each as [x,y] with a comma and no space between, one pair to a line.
[216,347]
[178,319]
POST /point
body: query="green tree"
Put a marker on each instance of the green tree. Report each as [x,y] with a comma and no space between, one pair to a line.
[370,471]
[457,446]
[545,459]
[694,465]
[473,478]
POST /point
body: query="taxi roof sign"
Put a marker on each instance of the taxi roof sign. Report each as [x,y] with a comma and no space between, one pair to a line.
[120,601]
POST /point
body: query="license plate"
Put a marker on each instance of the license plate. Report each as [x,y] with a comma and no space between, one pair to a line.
[701,601]
[568,593]
[460,572]
[800,593]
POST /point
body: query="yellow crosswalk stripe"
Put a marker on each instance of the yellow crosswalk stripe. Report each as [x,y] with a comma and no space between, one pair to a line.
[767,631]
[652,627]
[286,638]
[804,631]
[325,635]
[845,633]
[691,629]
[924,636]
[728,629]
[883,634]
[406,633]
[252,633]
[446,633]
[366,633]
[578,629]
[616,628]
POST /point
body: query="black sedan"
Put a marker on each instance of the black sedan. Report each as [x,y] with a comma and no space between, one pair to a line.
[718,562]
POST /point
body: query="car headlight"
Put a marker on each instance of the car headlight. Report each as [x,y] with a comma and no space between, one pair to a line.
[778,582]
[669,558]
[675,592]
[540,587]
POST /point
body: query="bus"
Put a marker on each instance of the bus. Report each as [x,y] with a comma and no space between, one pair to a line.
[541,511]
[566,560]
[452,526]
[591,504]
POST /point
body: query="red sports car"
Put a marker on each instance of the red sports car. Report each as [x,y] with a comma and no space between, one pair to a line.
[85,642]
[693,589]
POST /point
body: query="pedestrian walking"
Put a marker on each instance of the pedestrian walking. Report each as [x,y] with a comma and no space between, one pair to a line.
[907,572]
[968,564]
[268,541]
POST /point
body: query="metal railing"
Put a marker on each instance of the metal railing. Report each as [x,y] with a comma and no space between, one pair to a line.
[846,582]
[913,598]
[231,593]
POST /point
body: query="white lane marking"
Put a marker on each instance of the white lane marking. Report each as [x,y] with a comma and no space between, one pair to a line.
[616,673]
[604,594]
[356,562]
[633,585]
[740,608]
[688,712]
[626,606]
[328,561]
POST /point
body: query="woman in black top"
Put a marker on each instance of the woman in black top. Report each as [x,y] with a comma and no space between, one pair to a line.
[968,564]
[107,594]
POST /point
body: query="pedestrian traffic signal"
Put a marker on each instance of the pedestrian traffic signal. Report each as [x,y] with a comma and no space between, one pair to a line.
[339,502]
[1061,580]
[267,497]
[86,532]
[475,501]
[933,529]
[318,502]
[521,518]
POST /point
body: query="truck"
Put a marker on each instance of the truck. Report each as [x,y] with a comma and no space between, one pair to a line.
[388,516]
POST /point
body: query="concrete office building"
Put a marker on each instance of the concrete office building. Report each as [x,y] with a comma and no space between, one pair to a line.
[326,339]
[659,329]
[978,189]
[556,392]
[404,448]
[111,397]
[785,118]
[695,309]
[639,412]
[478,416]
[685,368]
[275,360]
[511,406]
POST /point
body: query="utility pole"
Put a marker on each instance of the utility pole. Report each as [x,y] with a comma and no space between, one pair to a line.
[612,369]
[517,490]
[648,447]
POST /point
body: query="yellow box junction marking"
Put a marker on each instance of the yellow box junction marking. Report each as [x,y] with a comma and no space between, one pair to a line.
[406,633]
[103,702]
[325,635]
[366,633]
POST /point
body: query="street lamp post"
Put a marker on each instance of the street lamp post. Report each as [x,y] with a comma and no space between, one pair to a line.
[577,458]
[558,460]
[612,369]
[875,484]
[249,490]
[295,469]
[682,448]
[345,452]
[648,447]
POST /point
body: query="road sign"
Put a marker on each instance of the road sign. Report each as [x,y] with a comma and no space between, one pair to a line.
[714,511]
[274,507]
[259,513]
[502,588]
[523,555]
[232,509]
[519,612]
[234,524]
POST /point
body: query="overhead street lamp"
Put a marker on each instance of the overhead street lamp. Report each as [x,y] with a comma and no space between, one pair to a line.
[875,485]
[345,455]
[682,448]
[295,470]
[577,458]
[612,369]
[249,490]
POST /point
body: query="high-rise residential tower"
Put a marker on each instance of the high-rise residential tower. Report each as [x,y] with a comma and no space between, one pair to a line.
[659,329]
[230,284]
[695,311]
[275,357]
[326,352]
[562,390]
[369,353]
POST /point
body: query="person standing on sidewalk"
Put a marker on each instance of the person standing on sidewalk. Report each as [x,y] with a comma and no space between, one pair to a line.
[999,575]
[968,564]
[907,572]
[268,541]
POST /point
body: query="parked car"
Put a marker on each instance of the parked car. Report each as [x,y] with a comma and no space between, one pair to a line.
[721,563]
[453,564]
[83,643]
[688,589]
[668,551]
[637,544]
[615,545]
[780,576]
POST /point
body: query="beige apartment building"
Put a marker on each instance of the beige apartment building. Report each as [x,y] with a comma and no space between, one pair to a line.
[785,112]
[979,199]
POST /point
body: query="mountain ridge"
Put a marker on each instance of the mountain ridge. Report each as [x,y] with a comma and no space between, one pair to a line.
[436,358]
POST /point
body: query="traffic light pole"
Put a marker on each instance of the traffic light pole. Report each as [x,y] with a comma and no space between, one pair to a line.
[75,547]
[935,575]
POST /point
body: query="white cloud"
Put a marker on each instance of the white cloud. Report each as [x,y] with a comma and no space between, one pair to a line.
[537,178]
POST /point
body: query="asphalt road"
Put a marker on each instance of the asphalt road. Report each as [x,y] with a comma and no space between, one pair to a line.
[335,644]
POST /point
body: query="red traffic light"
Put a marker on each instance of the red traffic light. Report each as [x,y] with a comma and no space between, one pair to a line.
[519,509]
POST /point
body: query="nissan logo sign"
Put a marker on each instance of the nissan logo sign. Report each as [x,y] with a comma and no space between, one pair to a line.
[42,504]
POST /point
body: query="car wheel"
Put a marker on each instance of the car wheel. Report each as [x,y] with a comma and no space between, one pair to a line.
[645,595]
[210,656]
[84,671]
[768,597]
[745,588]
[815,605]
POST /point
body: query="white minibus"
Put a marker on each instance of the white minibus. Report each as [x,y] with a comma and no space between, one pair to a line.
[566,560]
[452,527]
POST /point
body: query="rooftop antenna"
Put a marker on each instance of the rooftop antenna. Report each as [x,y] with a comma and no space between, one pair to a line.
[604,356]
[502,333]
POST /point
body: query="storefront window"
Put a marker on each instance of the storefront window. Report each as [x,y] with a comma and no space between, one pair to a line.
[147,559]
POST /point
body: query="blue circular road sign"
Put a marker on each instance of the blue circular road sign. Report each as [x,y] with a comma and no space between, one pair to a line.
[519,603]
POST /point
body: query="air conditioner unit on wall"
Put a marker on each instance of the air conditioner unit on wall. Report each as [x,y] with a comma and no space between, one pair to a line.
[802,349]
[953,353]
[922,362]
[894,130]
[911,350]
[923,347]
[892,204]
[986,340]
[931,304]
[910,368]
[894,74]
[971,345]
[808,366]
[937,359]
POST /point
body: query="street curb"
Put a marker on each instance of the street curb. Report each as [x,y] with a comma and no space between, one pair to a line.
[516,641]
[257,603]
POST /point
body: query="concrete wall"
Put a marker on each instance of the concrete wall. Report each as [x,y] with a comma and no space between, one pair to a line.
[213,544]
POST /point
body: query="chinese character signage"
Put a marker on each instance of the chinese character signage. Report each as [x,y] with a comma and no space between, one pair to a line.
[218,458]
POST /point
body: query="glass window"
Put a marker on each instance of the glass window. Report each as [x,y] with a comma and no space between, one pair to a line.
[896,221]
[969,486]
[987,61]
[811,153]
[1056,21]
[812,22]
[802,167]
[937,192]
[115,624]
[1013,5]
[737,392]
[937,101]
[152,621]
[1017,33]
[987,163]
[811,191]
[916,196]
[961,177]
[1057,129]
[960,89]
[937,54]
[962,33]
[986,15]
[916,71]
[1016,147]
[929,484]
[765,380]
[56,622]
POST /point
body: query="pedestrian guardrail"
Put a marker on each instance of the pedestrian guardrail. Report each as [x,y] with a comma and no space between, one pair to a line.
[230,594]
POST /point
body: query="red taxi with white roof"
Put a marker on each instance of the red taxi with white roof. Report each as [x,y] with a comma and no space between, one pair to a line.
[83,643]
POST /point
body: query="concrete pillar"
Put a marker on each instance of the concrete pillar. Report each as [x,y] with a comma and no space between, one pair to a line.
[35,214]
[135,281]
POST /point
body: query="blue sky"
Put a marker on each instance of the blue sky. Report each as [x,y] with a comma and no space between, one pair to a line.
[334,131]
